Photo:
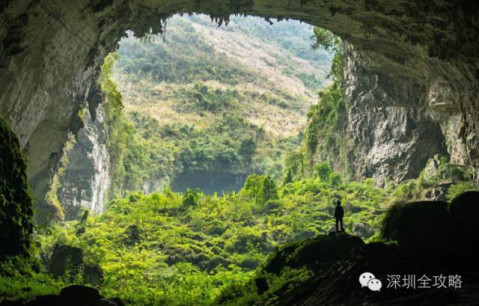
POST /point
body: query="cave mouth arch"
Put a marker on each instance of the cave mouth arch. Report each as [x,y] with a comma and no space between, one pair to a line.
[50,45]
[411,63]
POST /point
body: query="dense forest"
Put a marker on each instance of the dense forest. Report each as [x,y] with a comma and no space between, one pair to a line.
[184,105]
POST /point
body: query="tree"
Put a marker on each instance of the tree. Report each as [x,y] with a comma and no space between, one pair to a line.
[323,171]
[334,44]
[247,149]
[268,191]
[288,177]
[261,188]
[191,197]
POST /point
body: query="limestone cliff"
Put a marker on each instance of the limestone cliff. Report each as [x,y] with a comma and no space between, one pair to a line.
[392,126]
[387,129]
[86,178]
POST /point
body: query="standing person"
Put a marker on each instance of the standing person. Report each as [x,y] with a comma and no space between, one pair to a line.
[339,214]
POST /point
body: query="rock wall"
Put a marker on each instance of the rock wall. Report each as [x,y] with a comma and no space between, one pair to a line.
[51,52]
[397,123]
[15,201]
[86,179]
[392,132]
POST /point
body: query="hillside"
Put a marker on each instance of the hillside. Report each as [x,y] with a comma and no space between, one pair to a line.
[222,102]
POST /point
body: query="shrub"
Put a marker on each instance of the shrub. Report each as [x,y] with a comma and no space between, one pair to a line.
[335,179]
[323,171]
[261,188]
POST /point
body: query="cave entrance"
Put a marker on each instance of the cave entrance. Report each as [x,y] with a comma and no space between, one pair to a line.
[206,105]
[153,252]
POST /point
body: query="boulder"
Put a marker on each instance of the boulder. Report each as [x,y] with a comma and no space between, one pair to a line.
[435,224]
[65,258]
[363,230]
[93,274]
[76,295]
[424,224]
[132,235]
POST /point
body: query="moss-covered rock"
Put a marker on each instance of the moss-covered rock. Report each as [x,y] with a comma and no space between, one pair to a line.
[15,201]
[435,224]
[311,252]
[65,259]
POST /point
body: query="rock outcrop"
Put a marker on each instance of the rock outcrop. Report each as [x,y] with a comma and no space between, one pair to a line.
[393,136]
[51,52]
[15,202]
[86,178]
[65,259]
[436,240]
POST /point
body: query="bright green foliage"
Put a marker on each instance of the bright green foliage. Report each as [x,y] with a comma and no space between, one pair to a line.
[246,294]
[333,43]
[189,247]
[120,131]
[260,188]
[323,171]
[335,179]
[191,197]
[20,279]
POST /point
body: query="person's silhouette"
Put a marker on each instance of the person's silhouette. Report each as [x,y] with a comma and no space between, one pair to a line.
[339,214]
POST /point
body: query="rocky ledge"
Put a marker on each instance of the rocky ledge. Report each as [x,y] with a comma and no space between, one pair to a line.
[433,245]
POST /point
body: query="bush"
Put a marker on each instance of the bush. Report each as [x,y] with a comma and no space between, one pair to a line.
[335,179]
[261,188]
[323,171]
[190,198]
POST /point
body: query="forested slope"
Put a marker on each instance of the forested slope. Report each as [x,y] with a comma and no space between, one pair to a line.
[214,104]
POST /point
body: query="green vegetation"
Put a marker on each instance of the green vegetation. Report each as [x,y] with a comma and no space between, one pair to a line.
[194,106]
[326,132]
[175,249]
[21,278]
[15,200]
[52,195]
[445,181]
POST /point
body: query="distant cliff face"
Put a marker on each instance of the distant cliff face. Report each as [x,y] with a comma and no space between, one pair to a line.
[86,179]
